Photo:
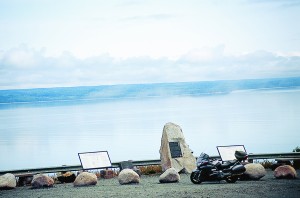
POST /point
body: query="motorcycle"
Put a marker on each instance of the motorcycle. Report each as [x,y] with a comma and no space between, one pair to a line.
[214,170]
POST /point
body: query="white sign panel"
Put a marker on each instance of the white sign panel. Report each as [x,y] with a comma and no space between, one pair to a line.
[94,160]
[227,152]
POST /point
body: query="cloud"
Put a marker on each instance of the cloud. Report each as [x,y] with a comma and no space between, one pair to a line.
[279,3]
[25,67]
[128,3]
[204,54]
[149,17]
[21,57]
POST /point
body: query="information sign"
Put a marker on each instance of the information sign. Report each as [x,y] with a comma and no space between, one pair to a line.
[227,152]
[175,149]
[94,160]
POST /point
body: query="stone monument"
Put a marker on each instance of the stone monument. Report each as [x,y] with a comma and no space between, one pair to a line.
[174,152]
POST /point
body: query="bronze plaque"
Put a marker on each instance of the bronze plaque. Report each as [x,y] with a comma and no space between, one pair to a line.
[175,149]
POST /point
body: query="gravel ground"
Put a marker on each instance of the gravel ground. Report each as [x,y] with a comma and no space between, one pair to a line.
[149,186]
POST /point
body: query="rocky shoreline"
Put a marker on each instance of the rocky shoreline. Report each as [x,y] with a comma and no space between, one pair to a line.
[150,186]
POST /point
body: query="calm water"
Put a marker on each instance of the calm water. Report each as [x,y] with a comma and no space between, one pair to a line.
[47,134]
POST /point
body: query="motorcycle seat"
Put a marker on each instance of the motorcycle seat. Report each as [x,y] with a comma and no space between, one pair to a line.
[224,166]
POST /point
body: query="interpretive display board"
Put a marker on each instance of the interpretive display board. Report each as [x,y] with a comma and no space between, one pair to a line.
[94,160]
[227,152]
[175,149]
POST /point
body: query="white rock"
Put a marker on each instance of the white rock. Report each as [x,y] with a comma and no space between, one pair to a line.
[8,181]
[128,176]
[85,179]
[169,176]
[254,171]
[186,163]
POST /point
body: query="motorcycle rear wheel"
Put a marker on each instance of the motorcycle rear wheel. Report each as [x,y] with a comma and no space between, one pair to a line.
[231,179]
[194,178]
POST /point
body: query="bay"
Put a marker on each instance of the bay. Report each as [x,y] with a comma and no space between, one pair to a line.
[53,133]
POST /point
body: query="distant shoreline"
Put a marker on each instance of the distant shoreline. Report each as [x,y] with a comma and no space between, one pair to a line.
[142,91]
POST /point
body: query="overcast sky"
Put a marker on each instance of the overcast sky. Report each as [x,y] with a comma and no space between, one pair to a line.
[53,43]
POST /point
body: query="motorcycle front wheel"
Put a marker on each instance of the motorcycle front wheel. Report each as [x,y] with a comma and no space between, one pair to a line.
[231,179]
[195,178]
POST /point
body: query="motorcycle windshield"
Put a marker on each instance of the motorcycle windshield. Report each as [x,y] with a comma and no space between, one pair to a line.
[203,157]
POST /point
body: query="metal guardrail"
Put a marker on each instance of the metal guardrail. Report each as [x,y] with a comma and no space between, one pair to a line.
[281,156]
[287,156]
[34,171]
[294,155]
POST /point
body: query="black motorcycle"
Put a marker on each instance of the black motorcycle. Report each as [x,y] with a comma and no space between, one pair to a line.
[214,170]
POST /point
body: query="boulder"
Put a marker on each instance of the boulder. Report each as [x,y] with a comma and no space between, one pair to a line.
[185,163]
[129,164]
[67,177]
[85,179]
[280,163]
[169,176]
[128,176]
[7,181]
[253,172]
[41,181]
[285,172]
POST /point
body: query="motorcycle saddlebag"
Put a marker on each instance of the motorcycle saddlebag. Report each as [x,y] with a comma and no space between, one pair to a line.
[238,169]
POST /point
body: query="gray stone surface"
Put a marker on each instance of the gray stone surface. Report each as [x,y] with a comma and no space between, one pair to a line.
[149,186]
